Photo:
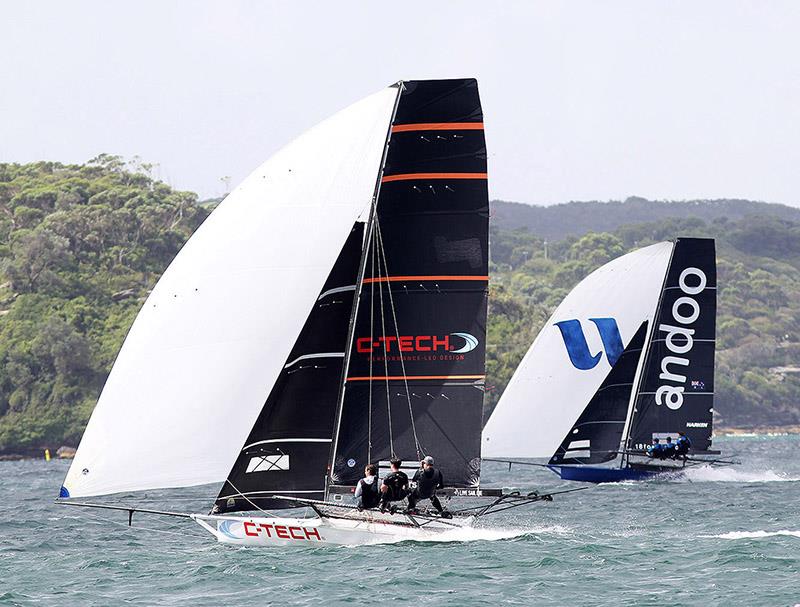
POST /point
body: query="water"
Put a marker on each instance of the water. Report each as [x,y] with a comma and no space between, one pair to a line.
[728,536]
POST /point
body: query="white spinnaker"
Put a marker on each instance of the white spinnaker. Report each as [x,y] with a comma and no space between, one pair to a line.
[547,392]
[209,342]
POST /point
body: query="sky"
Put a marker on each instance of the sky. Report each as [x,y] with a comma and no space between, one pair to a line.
[582,100]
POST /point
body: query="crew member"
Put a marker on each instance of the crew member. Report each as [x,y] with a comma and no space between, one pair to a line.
[367,492]
[669,448]
[682,445]
[656,450]
[395,485]
[428,479]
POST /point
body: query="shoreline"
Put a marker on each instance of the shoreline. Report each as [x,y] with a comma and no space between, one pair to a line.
[756,430]
[724,431]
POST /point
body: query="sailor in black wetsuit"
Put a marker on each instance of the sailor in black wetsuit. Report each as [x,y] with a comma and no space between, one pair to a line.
[395,485]
[682,445]
[428,479]
[367,492]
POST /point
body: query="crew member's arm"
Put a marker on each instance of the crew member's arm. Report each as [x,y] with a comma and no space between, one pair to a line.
[357,494]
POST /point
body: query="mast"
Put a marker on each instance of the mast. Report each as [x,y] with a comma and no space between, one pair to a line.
[643,361]
[359,284]
[418,345]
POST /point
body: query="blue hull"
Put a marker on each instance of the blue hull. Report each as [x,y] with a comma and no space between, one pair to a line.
[589,474]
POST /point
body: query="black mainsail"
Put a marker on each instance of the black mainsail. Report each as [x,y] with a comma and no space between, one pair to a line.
[416,370]
[676,386]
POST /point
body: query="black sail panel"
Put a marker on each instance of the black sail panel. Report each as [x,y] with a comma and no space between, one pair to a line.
[676,390]
[288,448]
[416,372]
[597,435]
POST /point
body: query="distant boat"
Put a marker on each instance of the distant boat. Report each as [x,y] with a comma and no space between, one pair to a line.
[626,358]
[330,313]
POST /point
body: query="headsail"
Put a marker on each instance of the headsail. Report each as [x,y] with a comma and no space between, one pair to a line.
[288,448]
[215,333]
[574,353]
[415,378]
[676,390]
[597,435]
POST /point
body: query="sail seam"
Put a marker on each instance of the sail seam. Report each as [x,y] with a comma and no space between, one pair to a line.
[288,440]
[438,126]
[317,355]
[324,294]
[425,278]
[400,377]
[413,176]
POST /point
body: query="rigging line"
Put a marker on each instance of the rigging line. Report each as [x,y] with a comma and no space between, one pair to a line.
[385,357]
[371,341]
[256,506]
[397,335]
[140,528]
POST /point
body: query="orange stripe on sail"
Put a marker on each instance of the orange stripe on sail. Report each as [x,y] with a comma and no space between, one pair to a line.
[401,377]
[438,126]
[422,278]
[408,176]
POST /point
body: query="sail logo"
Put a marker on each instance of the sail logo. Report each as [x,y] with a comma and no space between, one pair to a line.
[679,340]
[417,343]
[578,349]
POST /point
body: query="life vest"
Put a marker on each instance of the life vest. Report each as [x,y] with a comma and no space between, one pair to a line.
[369,493]
[427,483]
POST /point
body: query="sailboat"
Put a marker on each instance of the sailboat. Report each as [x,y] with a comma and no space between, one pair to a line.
[626,358]
[330,313]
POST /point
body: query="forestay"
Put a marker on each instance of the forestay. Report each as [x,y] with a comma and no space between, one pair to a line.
[574,353]
[215,333]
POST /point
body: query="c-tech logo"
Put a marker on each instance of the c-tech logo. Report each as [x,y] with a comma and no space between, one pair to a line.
[577,348]
[418,343]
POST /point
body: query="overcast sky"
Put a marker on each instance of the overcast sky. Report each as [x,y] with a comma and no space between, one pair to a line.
[582,100]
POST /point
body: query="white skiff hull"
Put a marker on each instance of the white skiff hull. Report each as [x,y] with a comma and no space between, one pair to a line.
[374,528]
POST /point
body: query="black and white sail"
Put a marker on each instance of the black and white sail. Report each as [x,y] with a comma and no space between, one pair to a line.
[288,448]
[574,353]
[213,338]
[628,356]
[415,373]
[676,388]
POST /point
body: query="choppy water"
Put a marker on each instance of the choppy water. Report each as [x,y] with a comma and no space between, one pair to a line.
[727,536]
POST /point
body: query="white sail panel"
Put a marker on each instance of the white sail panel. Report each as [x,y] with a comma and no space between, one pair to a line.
[209,342]
[569,359]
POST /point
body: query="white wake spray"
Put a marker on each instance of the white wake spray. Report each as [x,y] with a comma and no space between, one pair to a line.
[712,474]
[747,535]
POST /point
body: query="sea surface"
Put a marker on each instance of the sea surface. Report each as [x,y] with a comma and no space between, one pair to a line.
[718,536]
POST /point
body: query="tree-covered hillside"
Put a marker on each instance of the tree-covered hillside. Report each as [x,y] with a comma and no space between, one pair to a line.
[81,245]
[577,218]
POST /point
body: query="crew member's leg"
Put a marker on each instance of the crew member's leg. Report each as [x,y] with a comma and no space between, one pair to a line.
[413,498]
[436,503]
